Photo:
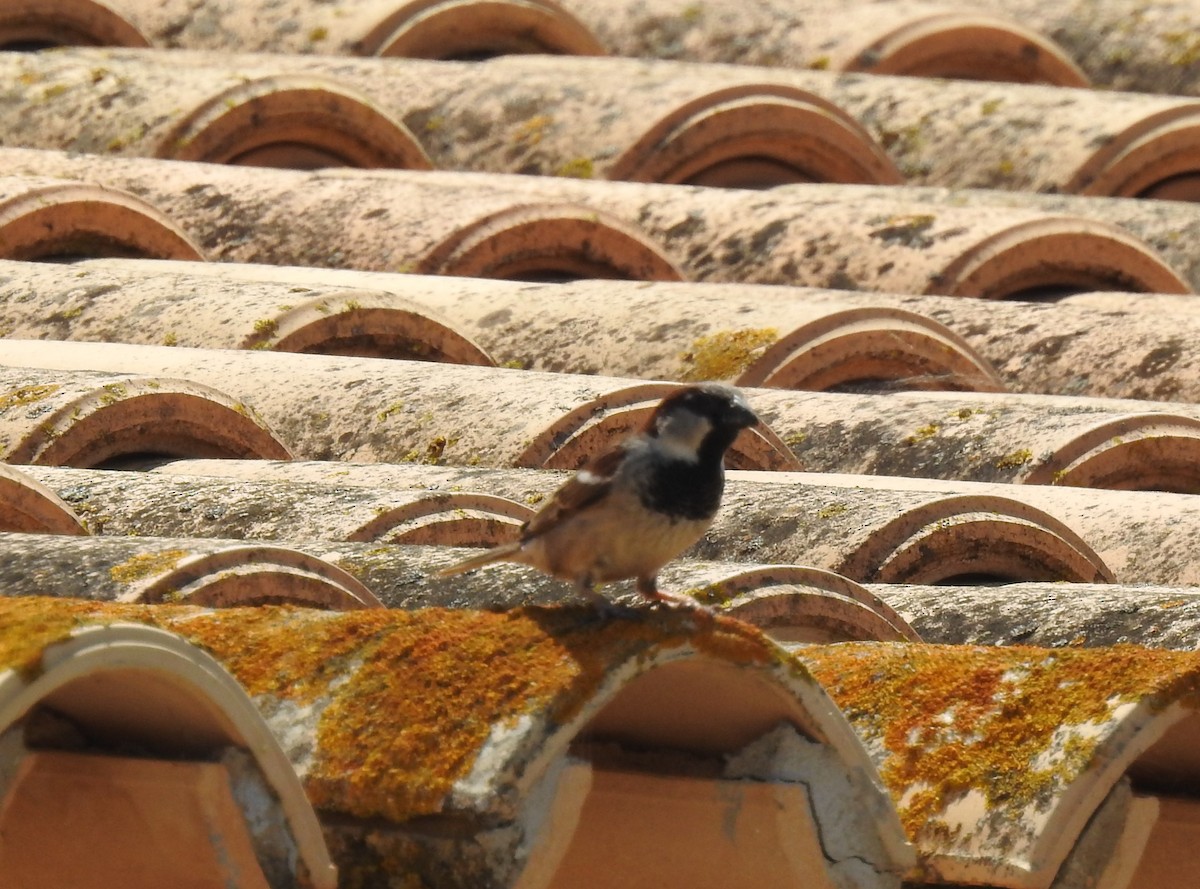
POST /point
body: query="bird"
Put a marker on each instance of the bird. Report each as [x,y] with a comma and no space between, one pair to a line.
[631,510]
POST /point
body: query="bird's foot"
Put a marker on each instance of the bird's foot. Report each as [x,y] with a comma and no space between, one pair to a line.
[606,607]
[670,600]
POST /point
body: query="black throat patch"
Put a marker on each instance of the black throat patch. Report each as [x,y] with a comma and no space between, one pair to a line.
[684,490]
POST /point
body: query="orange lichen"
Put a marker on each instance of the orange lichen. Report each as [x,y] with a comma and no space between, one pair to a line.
[414,717]
[411,696]
[956,719]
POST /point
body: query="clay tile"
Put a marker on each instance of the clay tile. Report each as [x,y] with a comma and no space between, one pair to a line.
[932,41]
[45,218]
[897,531]
[848,236]
[297,122]
[443,28]
[1155,56]
[859,346]
[1169,227]
[810,518]
[34,24]
[153,505]
[474,29]
[974,536]
[200,107]
[1094,746]
[792,603]
[548,242]
[185,309]
[454,518]
[75,699]
[1052,255]
[213,573]
[28,506]
[534,776]
[1030,138]
[1153,158]
[1142,536]
[747,137]
[1051,615]
[707,126]
[751,335]
[1027,438]
[624,119]
[1041,347]
[594,427]
[900,37]
[456,415]
[89,419]
[1151,452]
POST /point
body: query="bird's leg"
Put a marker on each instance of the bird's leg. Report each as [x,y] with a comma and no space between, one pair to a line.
[604,606]
[648,587]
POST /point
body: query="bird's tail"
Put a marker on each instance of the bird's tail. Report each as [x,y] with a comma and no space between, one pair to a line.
[495,554]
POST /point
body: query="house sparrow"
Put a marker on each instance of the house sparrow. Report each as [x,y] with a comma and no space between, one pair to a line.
[633,509]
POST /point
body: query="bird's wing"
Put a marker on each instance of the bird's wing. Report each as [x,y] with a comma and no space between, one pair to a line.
[592,482]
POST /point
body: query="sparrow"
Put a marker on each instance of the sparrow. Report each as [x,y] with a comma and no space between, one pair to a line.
[633,509]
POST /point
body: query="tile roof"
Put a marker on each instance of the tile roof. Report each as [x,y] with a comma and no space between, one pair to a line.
[962,309]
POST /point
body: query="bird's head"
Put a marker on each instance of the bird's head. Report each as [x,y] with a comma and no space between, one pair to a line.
[699,422]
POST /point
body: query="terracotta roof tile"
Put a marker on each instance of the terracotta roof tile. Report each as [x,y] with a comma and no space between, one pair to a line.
[45,218]
[469,737]
[853,339]
[1052,615]
[851,237]
[513,737]
[89,419]
[998,757]
[149,569]
[39,300]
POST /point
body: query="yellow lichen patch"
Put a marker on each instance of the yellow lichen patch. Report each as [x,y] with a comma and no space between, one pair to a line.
[956,719]
[145,565]
[577,168]
[927,431]
[394,408]
[1015,459]
[531,131]
[264,331]
[726,354]
[717,593]
[26,395]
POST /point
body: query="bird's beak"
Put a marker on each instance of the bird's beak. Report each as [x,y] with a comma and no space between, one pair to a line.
[742,417]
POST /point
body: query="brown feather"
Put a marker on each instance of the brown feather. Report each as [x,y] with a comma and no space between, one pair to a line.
[575,495]
[495,554]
